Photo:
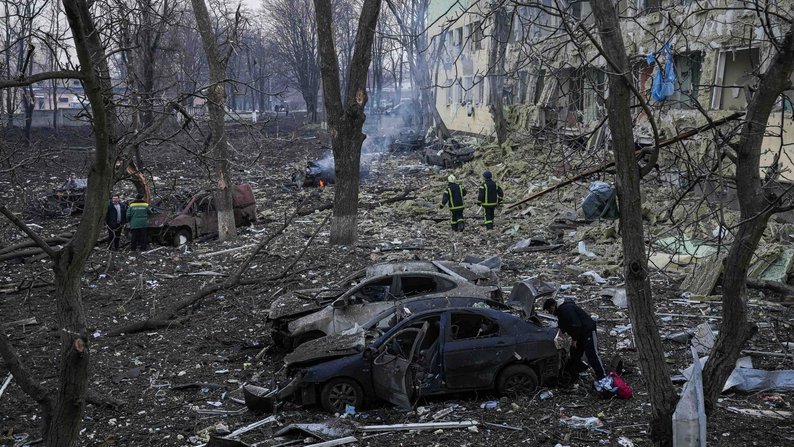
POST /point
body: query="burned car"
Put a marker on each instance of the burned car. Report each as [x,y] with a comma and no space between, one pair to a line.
[298,317]
[319,173]
[407,140]
[448,153]
[65,200]
[199,216]
[432,353]
[357,338]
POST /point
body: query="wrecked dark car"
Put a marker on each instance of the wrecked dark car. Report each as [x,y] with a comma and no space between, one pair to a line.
[432,353]
[319,173]
[448,153]
[302,315]
[407,140]
[358,337]
[199,216]
[67,199]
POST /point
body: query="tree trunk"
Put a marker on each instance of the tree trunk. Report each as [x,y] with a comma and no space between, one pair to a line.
[66,421]
[496,64]
[638,287]
[755,208]
[215,103]
[345,121]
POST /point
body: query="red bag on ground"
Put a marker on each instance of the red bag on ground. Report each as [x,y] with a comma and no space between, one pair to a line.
[613,385]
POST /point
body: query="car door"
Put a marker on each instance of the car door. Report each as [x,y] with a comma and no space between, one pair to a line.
[206,215]
[475,347]
[393,376]
[362,302]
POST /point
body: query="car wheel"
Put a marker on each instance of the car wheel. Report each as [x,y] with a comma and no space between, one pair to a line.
[181,237]
[339,393]
[517,380]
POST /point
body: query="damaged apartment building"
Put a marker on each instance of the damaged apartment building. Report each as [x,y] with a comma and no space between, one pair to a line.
[555,79]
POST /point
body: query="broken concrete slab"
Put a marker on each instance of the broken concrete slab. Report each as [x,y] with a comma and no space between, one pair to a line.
[533,244]
[703,278]
[618,296]
[684,245]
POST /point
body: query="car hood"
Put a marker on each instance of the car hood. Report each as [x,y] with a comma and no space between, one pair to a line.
[302,302]
[326,348]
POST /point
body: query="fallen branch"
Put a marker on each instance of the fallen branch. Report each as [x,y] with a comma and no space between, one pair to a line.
[768,354]
[27,230]
[228,250]
[418,426]
[60,239]
[164,318]
[24,379]
[24,322]
[335,442]
[100,400]
[774,286]
[5,384]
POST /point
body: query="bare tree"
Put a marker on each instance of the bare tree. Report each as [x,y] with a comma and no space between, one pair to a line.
[345,120]
[411,18]
[294,36]
[216,98]
[63,409]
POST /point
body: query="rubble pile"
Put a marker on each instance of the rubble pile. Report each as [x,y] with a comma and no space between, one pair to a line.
[183,384]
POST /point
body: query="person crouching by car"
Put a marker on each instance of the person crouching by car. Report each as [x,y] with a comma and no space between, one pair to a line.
[577,323]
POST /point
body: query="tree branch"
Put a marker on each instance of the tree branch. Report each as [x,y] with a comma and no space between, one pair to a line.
[31,234]
[32,79]
[25,381]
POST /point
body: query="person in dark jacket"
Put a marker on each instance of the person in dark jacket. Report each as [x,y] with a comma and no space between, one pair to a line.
[115,219]
[489,197]
[577,323]
[138,218]
[453,197]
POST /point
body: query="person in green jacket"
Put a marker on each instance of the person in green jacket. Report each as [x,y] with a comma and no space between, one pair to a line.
[137,219]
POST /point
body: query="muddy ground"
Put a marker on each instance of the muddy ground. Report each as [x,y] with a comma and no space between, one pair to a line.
[163,378]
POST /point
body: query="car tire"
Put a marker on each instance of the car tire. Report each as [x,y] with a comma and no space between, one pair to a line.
[181,237]
[517,380]
[338,393]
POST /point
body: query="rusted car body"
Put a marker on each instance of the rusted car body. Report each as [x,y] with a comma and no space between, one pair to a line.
[436,352]
[295,319]
[200,216]
[448,153]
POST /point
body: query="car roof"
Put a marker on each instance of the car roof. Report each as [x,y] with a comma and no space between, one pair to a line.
[501,307]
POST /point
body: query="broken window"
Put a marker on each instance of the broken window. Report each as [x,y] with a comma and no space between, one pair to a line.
[458,36]
[465,325]
[450,99]
[479,98]
[416,285]
[458,91]
[688,67]
[474,35]
[206,205]
[538,87]
[523,86]
[581,10]
[467,87]
[372,292]
[735,78]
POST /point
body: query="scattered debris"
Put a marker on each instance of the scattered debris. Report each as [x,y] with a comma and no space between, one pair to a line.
[419,426]
[689,417]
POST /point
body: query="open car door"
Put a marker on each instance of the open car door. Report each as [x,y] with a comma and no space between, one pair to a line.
[393,366]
